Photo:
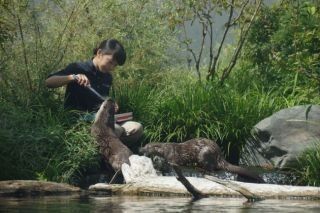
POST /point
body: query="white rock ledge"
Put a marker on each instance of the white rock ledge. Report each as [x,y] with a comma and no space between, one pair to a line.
[141,179]
[170,186]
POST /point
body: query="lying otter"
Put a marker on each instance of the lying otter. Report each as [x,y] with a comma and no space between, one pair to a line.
[113,150]
[200,152]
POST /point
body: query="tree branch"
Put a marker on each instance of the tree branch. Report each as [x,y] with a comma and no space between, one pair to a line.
[242,39]
[195,192]
[243,191]
[240,14]
[212,68]
[211,44]
[187,44]
[24,53]
[204,34]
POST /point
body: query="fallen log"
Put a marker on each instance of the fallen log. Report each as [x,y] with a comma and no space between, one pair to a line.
[141,179]
[170,186]
[33,187]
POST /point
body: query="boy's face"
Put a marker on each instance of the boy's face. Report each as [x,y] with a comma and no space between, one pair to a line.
[107,63]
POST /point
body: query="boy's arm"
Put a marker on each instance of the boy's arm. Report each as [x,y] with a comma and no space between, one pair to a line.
[58,81]
[55,81]
[66,76]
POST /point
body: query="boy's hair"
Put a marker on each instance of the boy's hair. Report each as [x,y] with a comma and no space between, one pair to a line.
[114,48]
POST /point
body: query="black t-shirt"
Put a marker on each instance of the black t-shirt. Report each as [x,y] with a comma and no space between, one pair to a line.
[79,97]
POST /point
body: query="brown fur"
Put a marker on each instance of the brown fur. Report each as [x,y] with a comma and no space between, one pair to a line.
[113,150]
[200,152]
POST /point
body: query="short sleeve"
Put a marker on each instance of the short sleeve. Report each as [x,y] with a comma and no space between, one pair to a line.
[69,70]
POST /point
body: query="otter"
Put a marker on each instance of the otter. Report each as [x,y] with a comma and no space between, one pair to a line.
[201,153]
[114,152]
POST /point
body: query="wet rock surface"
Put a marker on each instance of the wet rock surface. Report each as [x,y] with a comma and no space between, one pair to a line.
[282,137]
[33,187]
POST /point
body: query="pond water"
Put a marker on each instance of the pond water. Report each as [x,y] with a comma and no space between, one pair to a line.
[151,204]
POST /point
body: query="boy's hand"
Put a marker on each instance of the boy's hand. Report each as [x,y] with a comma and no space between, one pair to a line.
[82,80]
[116,107]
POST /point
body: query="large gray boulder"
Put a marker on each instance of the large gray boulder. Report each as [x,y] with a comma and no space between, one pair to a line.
[282,137]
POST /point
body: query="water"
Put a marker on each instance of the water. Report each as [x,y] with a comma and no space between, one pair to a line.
[115,204]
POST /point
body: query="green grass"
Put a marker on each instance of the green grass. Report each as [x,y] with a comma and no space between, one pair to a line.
[39,140]
[182,108]
[309,164]
[37,143]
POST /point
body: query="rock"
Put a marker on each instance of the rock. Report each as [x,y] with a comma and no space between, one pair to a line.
[33,187]
[162,186]
[282,137]
[141,179]
[170,186]
[140,167]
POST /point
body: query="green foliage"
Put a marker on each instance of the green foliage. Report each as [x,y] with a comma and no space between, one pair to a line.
[39,140]
[39,37]
[47,35]
[40,143]
[309,162]
[207,18]
[43,143]
[183,109]
[285,41]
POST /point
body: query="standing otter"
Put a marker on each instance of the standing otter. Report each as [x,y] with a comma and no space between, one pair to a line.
[200,152]
[113,150]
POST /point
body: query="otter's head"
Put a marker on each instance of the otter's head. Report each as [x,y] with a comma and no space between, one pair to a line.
[156,152]
[152,149]
[106,113]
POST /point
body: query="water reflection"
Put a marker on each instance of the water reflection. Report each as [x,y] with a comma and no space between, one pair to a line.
[130,204]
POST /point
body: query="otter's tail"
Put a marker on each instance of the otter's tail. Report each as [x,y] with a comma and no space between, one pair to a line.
[251,175]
